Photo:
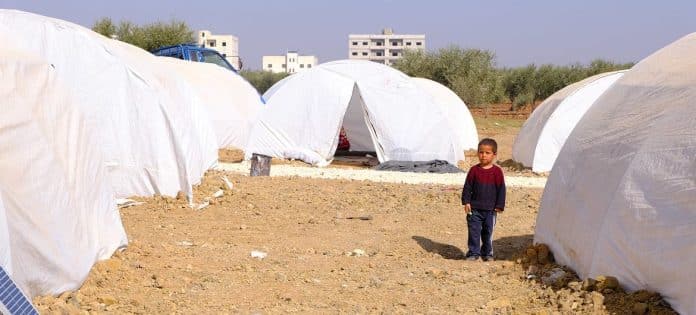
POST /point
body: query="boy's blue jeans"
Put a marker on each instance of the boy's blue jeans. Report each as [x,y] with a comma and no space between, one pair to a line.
[480,224]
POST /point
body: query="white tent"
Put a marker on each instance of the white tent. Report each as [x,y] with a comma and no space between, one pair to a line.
[543,134]
[58,214]
[380,108]
[145,141]
[231,102]
[620,199]
[460,120]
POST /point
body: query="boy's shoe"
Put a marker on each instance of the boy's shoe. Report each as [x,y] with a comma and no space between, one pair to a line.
[487,258]
[472,258]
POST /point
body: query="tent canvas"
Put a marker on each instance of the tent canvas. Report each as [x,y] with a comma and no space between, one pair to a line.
[380,108]
[231,102]
[620,199]
[460,120]
[546,130]
[58,214]
[138,127]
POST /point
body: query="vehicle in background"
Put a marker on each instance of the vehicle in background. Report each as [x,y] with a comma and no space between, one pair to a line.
[195,53]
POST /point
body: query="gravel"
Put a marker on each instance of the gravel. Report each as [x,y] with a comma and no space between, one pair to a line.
[377,176]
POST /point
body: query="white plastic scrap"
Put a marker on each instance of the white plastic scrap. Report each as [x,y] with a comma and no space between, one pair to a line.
[227,182]
[258,254]
[125,203]
[218,193]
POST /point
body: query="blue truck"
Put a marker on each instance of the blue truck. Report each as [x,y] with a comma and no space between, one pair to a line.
[193,52]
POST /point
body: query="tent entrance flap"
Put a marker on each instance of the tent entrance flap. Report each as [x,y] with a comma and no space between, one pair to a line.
[359,130]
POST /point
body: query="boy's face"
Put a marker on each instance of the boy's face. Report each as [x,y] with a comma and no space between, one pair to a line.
[486,155]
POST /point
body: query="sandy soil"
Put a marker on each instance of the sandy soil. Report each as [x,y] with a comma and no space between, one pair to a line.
[331,246]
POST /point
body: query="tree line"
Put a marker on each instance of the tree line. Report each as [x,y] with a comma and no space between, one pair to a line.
[149,36]
[472,74]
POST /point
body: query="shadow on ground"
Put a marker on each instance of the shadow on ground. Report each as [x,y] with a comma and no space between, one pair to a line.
[445,250]
[506,248]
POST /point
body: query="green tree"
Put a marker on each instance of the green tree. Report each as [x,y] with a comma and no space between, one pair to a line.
[262,80]
[148,37]
[105,27]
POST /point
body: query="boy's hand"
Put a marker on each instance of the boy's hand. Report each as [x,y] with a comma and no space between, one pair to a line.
[498,210]
[467,208]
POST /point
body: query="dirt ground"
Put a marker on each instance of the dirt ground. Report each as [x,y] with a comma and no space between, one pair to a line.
[330,246]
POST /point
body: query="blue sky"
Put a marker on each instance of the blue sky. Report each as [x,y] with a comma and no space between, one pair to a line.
[519,32]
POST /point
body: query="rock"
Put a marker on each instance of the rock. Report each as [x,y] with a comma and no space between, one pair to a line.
[358,253]
[607,282]
[556,275]
[180,195]
[107,300]
[531,255]
[436,273]
[639,309]
[543,256]
[589,284]
[643,296]
[575,285]
[597,300]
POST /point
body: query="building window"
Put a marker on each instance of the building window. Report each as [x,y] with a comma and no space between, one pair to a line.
[355,43]
[364,53]
[284,66]
[418,43]
[270,66]
[408,43]
[309,65]
[364,43]
[224,55]
[224,44]
[202,34]
[395,43]
[395,54]
[211,43]
[354,53]
[378,43]
[302,65]
[379,54]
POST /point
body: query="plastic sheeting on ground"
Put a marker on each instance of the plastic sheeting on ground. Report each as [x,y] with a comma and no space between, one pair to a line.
[543,134]
[620,199]
[380,108]
[143,133]
[231,102]
[434,166]
[58,214]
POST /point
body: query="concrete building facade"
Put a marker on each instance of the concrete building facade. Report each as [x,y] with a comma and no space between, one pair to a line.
[226,45]
[385,48]
[291,63]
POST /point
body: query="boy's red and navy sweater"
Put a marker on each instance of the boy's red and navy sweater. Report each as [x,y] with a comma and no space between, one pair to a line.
[484,188]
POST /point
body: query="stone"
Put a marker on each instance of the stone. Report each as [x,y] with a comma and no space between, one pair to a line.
[607,282]
[589,284]
[575,285]
[532,256]
[436,273]
[107,300]
[643,296]
[543,252]
[180,195]
[597,300]
[639,309]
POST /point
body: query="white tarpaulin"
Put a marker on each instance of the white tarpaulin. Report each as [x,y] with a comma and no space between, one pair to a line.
[144,140]
[231,102]
[621,198]
[543,134]
[58,214]
[460,120]
[380,108]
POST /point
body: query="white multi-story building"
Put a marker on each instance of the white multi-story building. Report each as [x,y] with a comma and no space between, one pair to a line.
[384,48]
[292,62]
[226,45]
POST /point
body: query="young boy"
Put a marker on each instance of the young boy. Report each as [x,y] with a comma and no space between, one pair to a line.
[483,197]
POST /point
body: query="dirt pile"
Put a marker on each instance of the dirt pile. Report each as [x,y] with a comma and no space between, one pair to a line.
[561,288]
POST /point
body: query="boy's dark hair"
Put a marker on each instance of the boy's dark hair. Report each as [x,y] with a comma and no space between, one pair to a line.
[489,142]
